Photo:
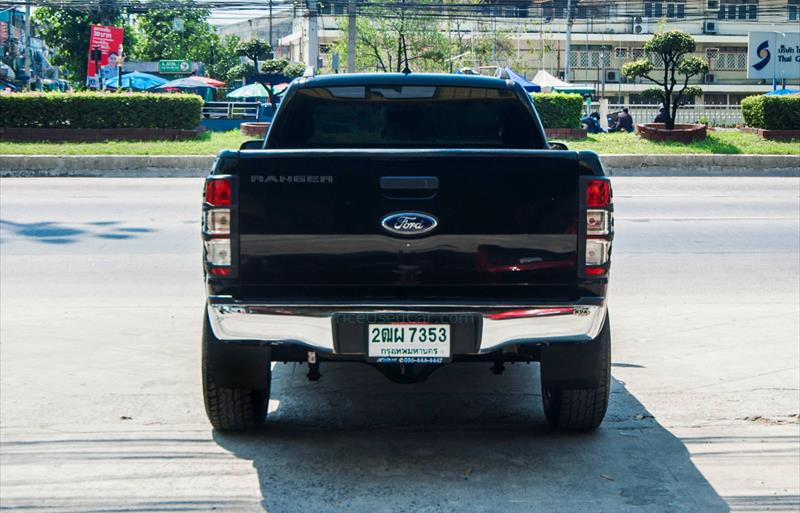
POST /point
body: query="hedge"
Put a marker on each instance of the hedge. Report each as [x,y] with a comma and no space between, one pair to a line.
[100,110]
[559,110]
[772,112]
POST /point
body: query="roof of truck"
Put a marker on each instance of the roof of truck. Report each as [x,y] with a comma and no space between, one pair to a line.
[439,79]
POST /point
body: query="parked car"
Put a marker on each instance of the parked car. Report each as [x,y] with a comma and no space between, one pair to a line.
[407,222]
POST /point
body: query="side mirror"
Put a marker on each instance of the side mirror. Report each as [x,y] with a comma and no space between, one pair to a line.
[255,144]
[557,145]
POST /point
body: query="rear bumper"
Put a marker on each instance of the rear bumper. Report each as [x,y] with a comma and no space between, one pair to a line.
[312,325]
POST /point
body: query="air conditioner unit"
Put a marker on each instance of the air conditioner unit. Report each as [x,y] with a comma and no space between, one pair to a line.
[712,5]
[639,26]
[612,76]
[709,27]
[709,78]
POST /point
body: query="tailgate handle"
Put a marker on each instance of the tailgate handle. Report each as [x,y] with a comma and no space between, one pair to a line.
[410,183]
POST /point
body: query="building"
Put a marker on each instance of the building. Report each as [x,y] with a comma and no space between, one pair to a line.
[13,48]
[605,35]
[258,28]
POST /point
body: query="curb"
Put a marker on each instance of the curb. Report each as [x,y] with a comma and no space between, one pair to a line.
[120,166]
[166,166]
[702,165]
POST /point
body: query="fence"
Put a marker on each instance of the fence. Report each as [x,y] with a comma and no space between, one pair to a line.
[614,59]
[230,110]
[717,115]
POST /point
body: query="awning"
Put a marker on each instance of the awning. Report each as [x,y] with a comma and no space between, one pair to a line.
[576,88]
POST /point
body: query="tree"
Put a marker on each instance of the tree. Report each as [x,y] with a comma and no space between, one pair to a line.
[672,51]
[239,72]
[280,69]
[159,38]
[67,31]
[223,57]
[254,49]
[196,41]
[397,38]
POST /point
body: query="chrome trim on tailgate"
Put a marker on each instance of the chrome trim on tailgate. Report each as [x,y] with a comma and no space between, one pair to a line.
[581,325]
[254,322]
[312,325]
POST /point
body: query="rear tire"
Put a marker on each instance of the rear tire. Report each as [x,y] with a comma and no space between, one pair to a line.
[230,409]
[582,409]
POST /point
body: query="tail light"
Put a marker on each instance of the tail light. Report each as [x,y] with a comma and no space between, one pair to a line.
[598,206]
[217,192]
[217,222]
[598,193]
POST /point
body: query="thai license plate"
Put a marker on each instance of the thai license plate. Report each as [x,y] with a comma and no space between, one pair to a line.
[409,342]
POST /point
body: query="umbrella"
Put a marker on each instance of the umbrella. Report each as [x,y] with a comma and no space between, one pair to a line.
[783,92]
[137,80]
[249,91]
[280,88]
[213,82]
[184,83]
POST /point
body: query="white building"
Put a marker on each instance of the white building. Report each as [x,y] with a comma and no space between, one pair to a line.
[605,35]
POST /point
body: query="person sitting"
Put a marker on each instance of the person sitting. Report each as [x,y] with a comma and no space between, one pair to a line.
[662,116]
[624,122]
[592,122]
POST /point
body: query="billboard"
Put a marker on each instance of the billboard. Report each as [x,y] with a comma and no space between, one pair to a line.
[104,50]
[773,55]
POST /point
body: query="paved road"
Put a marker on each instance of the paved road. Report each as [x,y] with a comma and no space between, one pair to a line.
[101,299]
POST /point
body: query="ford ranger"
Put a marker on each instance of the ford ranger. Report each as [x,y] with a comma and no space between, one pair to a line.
[407,221]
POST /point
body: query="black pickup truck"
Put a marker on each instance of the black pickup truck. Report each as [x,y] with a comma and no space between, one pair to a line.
[406,221]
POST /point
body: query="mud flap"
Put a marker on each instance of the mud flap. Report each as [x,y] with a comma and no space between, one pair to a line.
[569,365]
[236,365]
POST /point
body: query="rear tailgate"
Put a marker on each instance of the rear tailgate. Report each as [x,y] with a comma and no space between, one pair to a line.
[314,218]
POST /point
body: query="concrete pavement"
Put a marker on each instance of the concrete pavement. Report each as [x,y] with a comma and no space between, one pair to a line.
[101,296]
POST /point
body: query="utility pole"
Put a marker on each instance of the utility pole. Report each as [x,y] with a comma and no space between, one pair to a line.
[603,72]
[351,36]
[270,29]
[27,44]
[313,36]
[569,40]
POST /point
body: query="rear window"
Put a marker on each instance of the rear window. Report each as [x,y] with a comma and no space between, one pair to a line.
[405,117]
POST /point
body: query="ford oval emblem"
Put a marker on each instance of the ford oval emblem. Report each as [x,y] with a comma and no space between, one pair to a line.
[409,223]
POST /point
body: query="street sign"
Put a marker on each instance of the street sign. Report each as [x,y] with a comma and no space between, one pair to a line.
[174,66]
[773,55]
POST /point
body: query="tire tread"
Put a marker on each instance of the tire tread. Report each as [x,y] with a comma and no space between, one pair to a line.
[230,409]
[582,409]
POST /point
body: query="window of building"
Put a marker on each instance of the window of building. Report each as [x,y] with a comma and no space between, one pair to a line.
[672,9]
[715,99]
[741,10]
[794,10]
[736,99]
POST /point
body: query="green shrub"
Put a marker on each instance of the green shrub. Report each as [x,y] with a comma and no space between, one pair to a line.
[559,110]
[772,112]
[100,110]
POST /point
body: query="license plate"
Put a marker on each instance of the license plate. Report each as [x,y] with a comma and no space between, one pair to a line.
[409,342]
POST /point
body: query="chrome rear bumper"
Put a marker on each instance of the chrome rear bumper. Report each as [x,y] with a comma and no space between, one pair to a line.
[312,325]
